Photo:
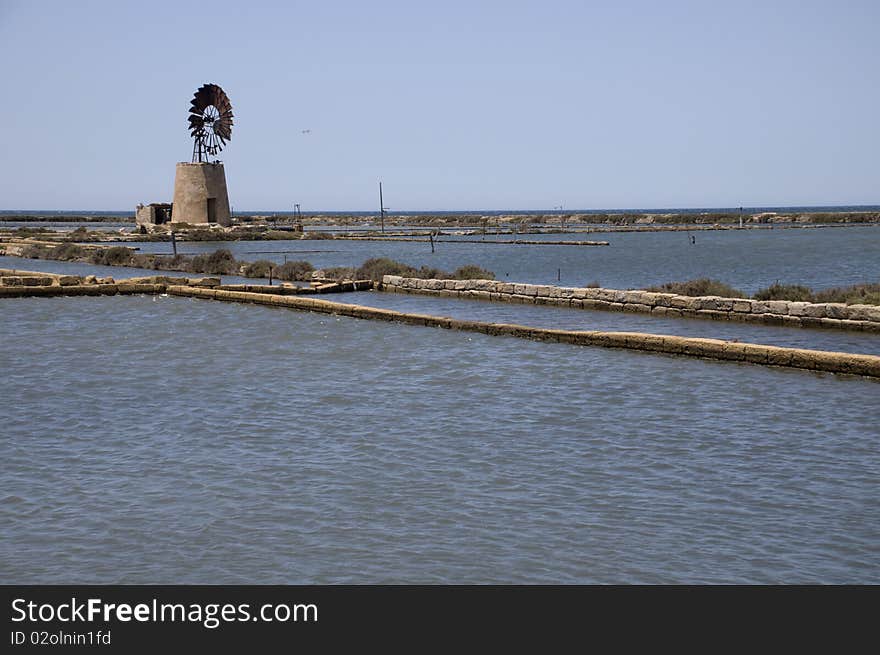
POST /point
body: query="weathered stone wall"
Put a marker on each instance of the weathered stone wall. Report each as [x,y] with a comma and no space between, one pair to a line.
[145,215]
[816,360]
[193,185]
[27,279]
[773,312]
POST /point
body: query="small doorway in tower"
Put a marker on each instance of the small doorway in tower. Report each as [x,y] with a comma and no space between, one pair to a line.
[212,210]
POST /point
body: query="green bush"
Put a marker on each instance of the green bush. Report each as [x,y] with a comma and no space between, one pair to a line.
[377,267]
[701,287]
[68,252]
[340,272]
[219,262]
[173,263]
[25,232]
[296,270]
[115,256]
[259,268]
[79,234]
[778,291]
[35,251]
[472,272]
[857,294]
[142,261]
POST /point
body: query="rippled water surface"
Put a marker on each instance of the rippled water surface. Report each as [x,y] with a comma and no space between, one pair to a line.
[150,439]
[567,318]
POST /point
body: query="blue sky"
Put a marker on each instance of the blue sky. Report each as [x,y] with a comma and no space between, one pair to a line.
[453,105]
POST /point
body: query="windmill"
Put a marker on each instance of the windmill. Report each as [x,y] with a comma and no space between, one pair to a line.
[210,121]
[200,194]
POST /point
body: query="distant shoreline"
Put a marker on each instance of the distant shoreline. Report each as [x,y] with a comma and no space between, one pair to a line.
[519,221]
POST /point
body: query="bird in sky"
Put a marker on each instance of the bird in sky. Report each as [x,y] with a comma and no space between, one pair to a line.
[306,131]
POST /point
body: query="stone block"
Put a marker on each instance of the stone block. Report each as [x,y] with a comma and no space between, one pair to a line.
[204,282]
[836,310]
[69,280]
[864,312]
[707,302]
[815,310]
[797,308]
[777,307]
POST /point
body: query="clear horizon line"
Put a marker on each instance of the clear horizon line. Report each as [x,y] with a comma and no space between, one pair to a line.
[505,209]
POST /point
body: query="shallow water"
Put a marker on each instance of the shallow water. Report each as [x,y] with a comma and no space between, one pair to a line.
[537,316]
[746,259]
[153,440]
[567,318]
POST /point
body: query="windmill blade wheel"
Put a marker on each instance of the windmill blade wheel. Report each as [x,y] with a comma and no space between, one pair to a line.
[210,120]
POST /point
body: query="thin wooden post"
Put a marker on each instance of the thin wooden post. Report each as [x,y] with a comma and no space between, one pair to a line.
[381,208]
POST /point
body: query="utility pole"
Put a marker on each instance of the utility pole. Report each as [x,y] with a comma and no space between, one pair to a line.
[381,208]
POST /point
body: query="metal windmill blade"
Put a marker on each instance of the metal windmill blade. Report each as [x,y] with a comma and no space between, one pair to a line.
[210,121]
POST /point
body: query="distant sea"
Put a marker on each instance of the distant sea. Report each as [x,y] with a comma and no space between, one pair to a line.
[480,212]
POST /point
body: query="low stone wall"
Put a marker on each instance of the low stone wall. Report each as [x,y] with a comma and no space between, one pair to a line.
[10,277]
[113,289]
[287,289]
[814,360]
[27,281]
[773,312]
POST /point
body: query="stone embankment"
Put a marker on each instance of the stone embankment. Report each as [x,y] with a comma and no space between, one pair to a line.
[209,288]
[771,312]
[519,242]
[30,283]
[815,360]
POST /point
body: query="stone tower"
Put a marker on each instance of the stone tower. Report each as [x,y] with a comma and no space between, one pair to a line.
[200,194]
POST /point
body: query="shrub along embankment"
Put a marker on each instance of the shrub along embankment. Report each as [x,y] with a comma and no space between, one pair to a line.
[862,317]
[222,262]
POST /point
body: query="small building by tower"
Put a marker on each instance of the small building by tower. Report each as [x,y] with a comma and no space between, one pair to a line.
[156,213]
